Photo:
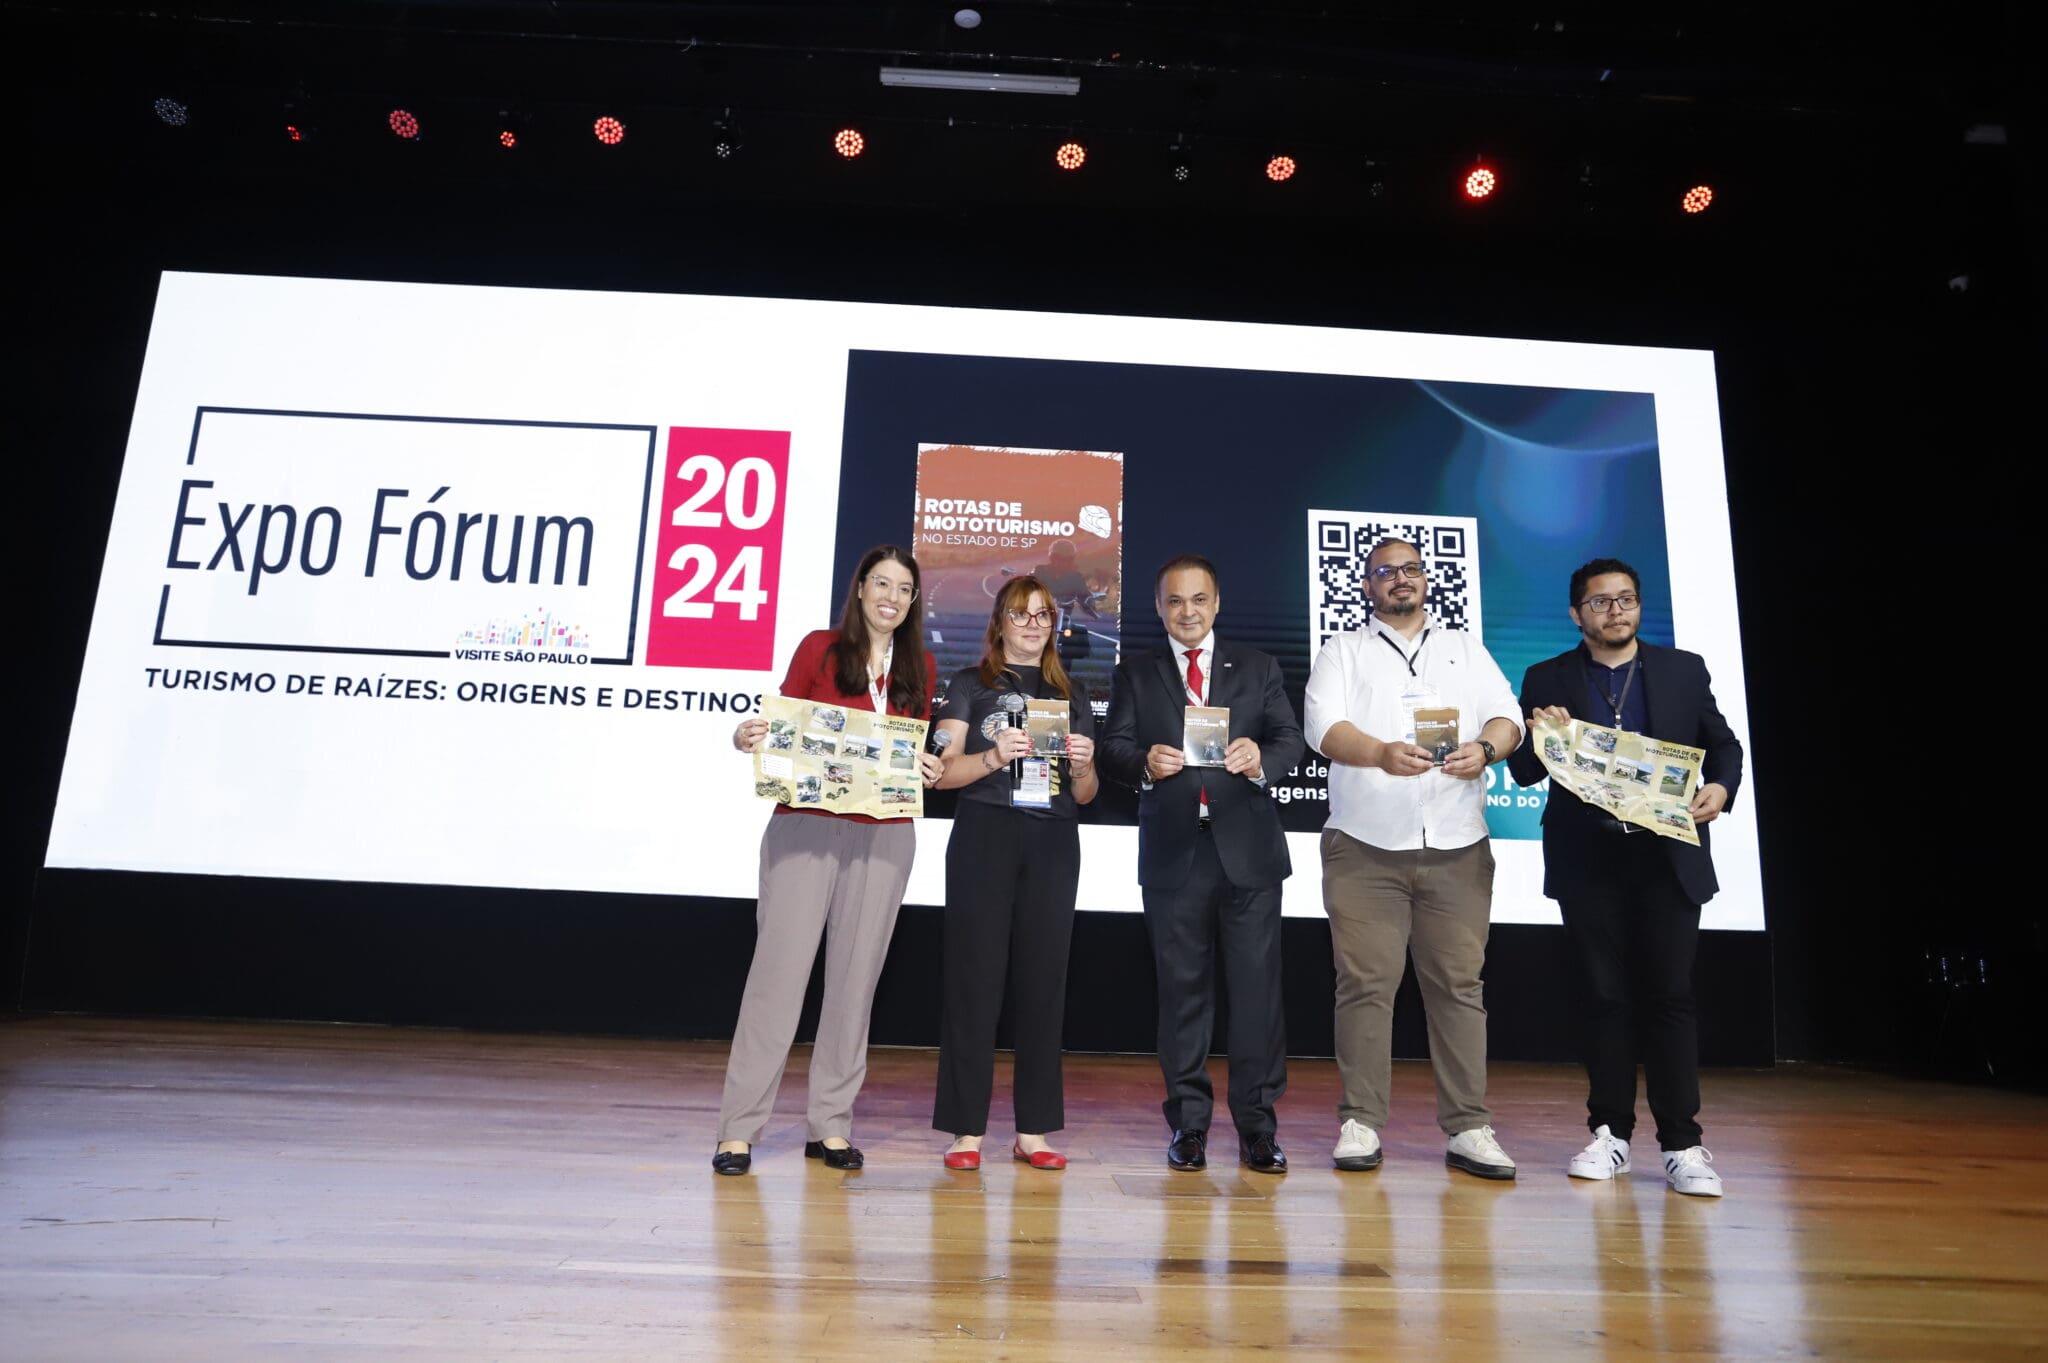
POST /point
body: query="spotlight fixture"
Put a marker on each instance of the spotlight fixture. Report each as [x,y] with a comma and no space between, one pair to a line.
[608,130]
[405,124]
[513,124]
[726,141]
[849,143]
[172,112]
[1070,156]
[1697,199]
[1480,183]
[1280,168]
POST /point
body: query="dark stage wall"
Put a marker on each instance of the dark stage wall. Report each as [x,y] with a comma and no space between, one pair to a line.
[1857,391]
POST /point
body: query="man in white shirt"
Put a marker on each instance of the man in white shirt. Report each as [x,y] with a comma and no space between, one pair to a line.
[1406,863]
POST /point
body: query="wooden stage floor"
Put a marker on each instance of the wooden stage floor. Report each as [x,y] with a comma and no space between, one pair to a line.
[228,1191]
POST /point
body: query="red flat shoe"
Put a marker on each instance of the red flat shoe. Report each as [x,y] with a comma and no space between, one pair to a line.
[963,1159]
[1039,1159]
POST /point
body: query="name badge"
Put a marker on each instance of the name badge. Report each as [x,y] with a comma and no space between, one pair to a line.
[1033,789]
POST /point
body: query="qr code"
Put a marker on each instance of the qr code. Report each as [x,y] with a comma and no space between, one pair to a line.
[1338,542]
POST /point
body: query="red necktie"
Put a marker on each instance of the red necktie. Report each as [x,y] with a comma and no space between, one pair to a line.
[1195,697]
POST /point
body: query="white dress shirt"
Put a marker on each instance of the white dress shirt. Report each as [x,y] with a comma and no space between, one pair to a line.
[1361,676]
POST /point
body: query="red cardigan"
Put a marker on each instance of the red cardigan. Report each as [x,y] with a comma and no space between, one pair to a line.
[810,677]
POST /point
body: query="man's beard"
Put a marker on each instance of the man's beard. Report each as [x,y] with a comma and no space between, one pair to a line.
[1599,638]
[1408,607]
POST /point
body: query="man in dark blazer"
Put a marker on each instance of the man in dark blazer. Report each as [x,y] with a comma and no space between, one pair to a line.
[1211,856]
[1631,899]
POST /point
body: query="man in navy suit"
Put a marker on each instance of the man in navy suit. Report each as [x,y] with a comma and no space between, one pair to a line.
[1211,856]
[1631,899]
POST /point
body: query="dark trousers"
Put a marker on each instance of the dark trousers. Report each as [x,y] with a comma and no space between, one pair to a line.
[1189,924]
[1636,936]
[1010,881]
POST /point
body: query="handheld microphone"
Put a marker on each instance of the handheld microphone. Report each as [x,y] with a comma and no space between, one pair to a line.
[941,739]
[1013,706]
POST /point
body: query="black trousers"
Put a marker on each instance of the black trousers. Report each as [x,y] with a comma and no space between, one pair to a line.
[1010,881]
[1636,935]
[1189,925]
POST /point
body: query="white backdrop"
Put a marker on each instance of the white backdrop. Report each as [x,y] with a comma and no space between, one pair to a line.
[435,769]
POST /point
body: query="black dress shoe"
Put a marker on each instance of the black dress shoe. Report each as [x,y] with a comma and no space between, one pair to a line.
[1262,1154]
[732,1161]
[840,1157]
[1189,1149]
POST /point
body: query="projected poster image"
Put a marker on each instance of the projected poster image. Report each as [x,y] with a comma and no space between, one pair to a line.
[986,514]
[1286,481]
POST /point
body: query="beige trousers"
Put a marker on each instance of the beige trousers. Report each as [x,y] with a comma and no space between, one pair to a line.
[820,876]
[1435,902]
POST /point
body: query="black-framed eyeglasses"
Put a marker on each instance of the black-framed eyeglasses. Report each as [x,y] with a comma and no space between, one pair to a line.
[902,590]
[1387,572]
[1601,605]
[1044,617]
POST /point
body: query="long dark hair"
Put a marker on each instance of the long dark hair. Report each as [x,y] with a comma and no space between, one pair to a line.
[1016,595]
[909,686]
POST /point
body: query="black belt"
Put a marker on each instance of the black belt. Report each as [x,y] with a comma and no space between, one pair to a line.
[1616,826]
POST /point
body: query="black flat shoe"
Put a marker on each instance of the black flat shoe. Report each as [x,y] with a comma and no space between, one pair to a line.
[843,1157]
[1189,1149]
[1262,1154]
[732,1161]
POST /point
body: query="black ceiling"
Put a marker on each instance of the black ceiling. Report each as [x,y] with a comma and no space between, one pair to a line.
[1383,106]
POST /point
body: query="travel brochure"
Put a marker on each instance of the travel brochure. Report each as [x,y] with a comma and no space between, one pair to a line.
[846,761]
[1637,779]
[1207,735]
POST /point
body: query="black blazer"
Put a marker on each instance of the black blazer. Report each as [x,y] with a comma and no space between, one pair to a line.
[1682,710]
[1147,705]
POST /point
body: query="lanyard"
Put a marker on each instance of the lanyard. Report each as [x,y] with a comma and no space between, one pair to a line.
[878,692]
[1626,683]
[1409,662]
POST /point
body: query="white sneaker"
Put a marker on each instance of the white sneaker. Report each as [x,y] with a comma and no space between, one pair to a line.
[1687,1172]
[1604,1158]
[1477,1152]
[1358,1147]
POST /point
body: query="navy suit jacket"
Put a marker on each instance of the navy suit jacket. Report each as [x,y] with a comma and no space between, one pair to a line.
[1680,697]
[1147,705]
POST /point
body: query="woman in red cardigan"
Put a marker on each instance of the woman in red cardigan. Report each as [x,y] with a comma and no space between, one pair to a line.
[839,876]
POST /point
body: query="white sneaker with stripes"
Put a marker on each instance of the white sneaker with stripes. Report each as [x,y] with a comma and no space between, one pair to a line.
[1687,1172]
[1603,1159]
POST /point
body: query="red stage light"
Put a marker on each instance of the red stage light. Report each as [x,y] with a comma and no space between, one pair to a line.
[849,143]
[1070,156]
[294,132]
[1480,183]
[1697,198]
[609,131]
[1280,168]
[405,124]
[508,139]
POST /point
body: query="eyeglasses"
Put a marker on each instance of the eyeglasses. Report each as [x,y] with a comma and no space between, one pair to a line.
[1041,618]
[901,590]
[1387,572]
[1600,605]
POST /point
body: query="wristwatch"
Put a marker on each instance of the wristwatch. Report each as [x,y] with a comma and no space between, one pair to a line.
[1491,756]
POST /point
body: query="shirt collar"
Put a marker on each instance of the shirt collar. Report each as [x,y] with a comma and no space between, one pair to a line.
[1208,647]
[1407,646]
[1592,661]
